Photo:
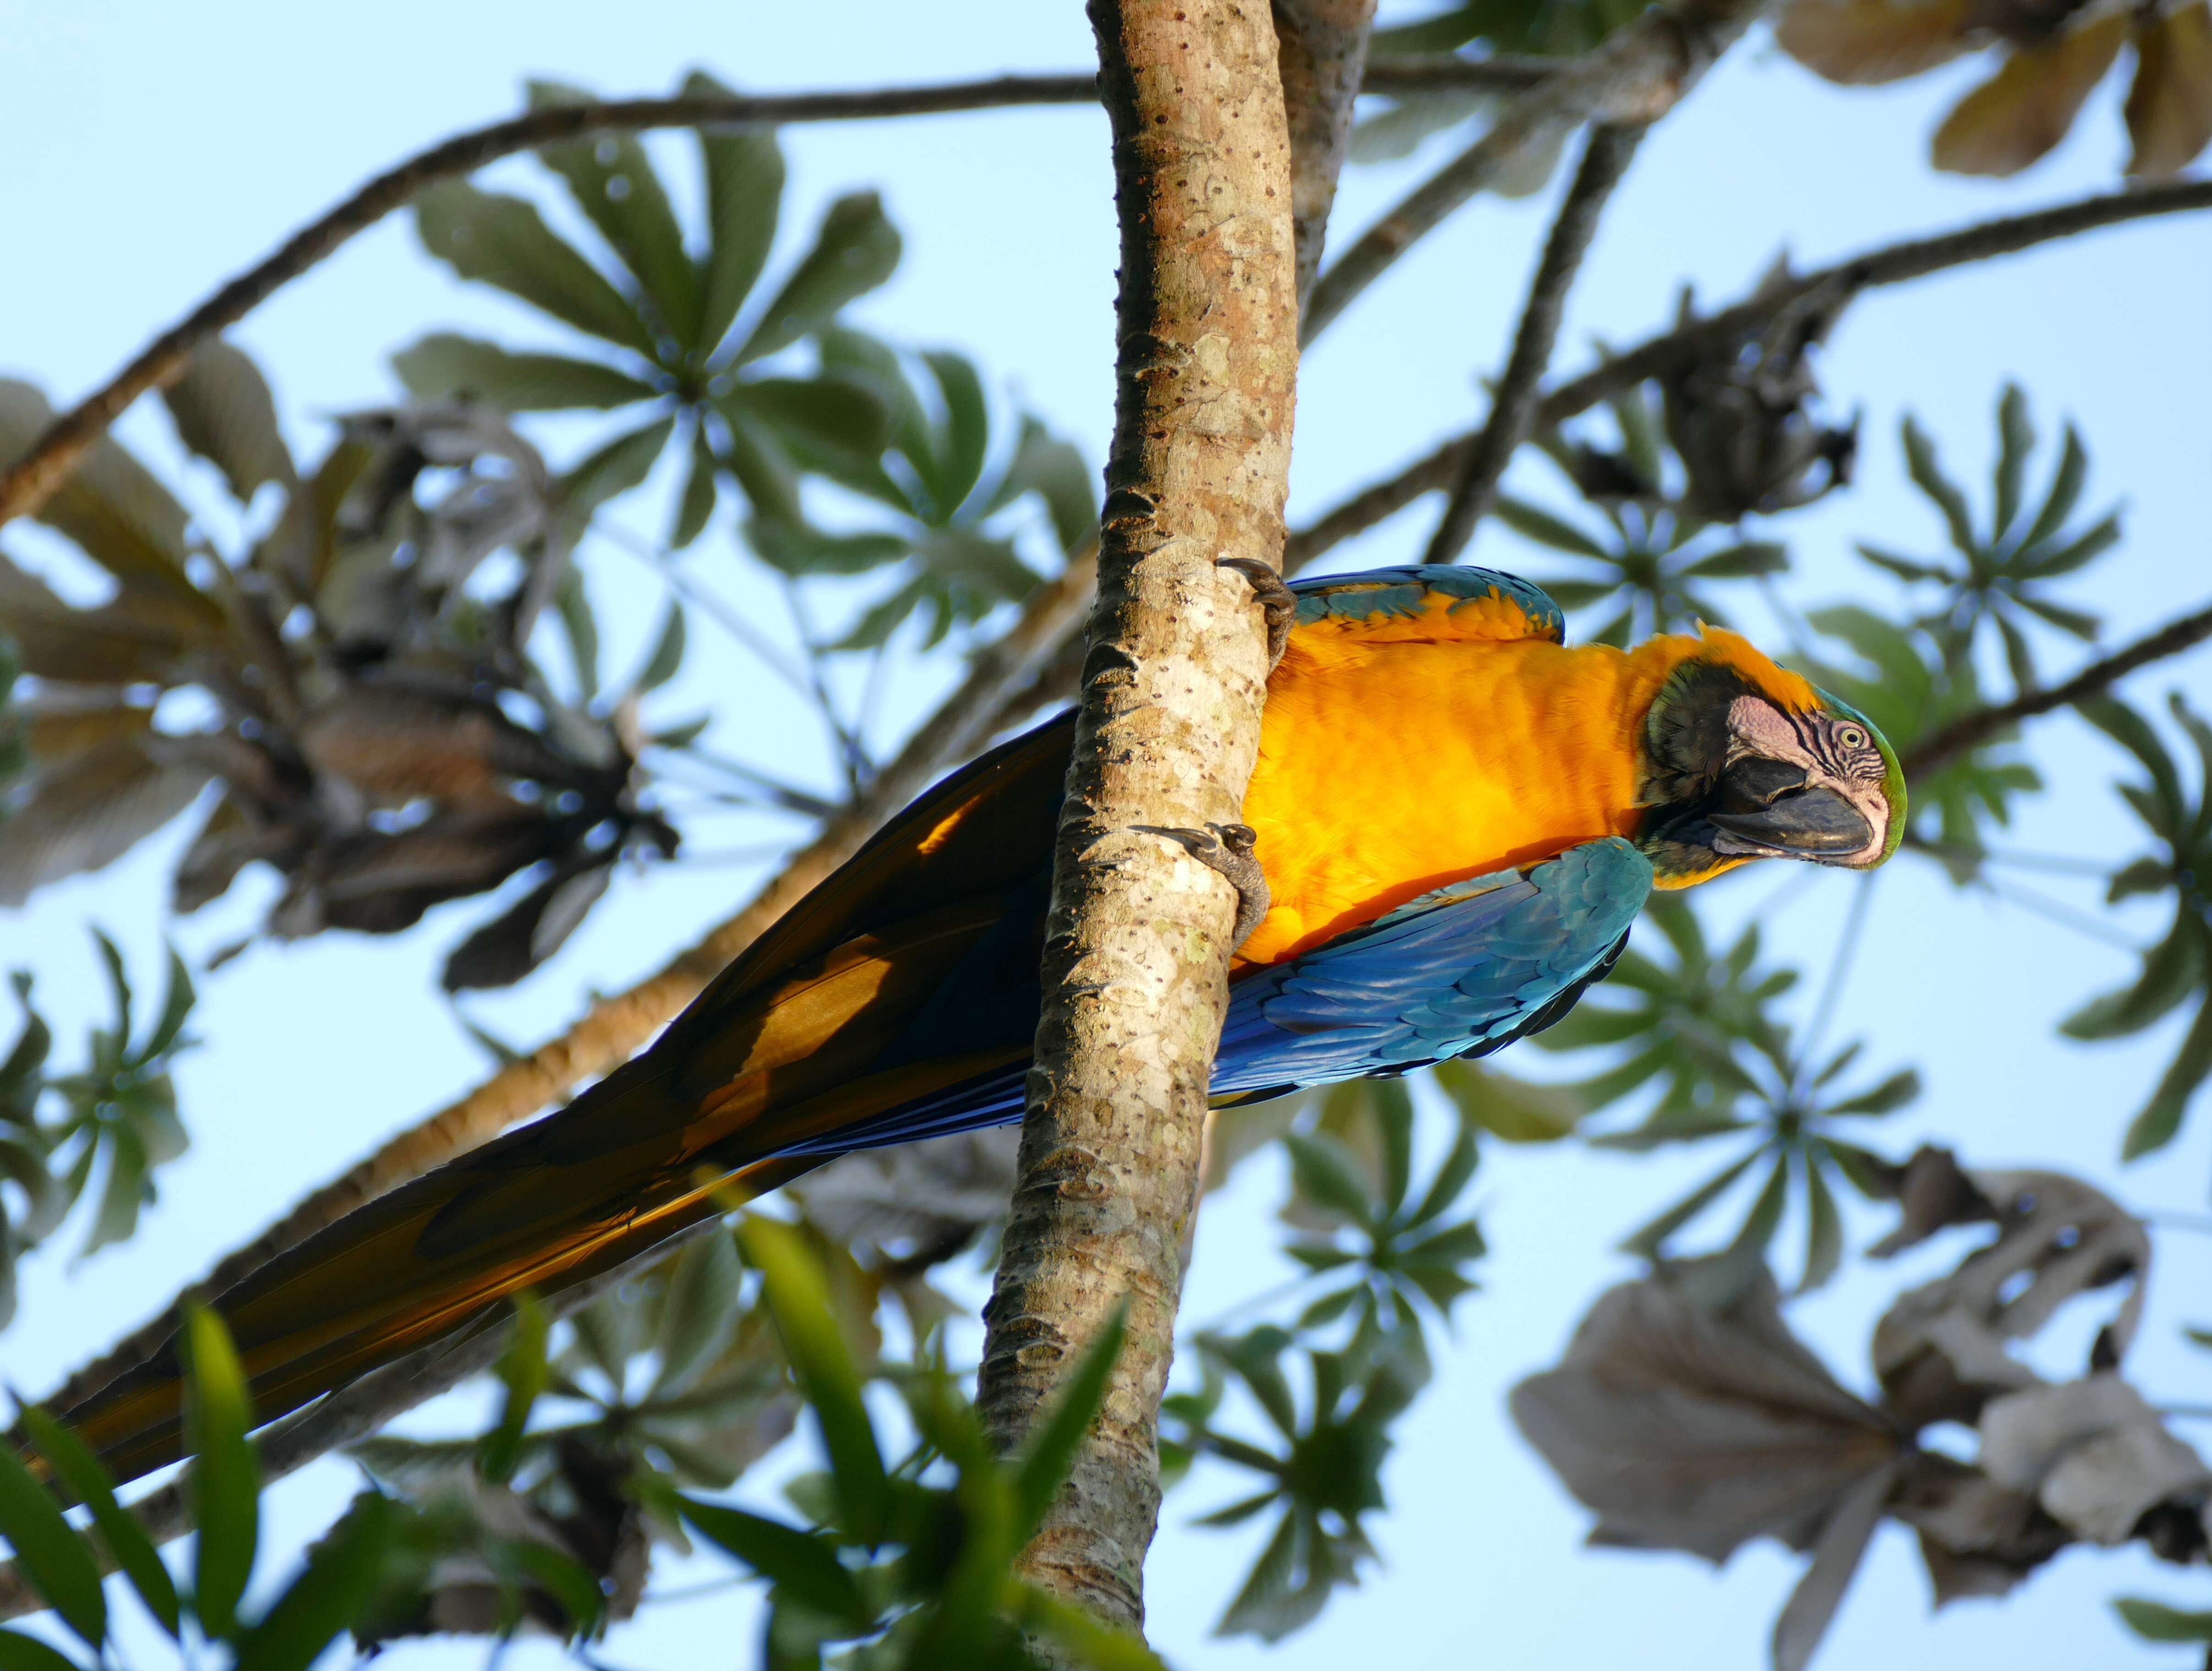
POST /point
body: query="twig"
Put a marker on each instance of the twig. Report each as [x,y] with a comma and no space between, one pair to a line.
[1639,74]
[31,479]
[613,1029]
[1898,263]
[1321,49]
[1969,730]
[1605,159]
[714,607]
[1504,72]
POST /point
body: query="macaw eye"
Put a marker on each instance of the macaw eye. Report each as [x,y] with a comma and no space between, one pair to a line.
[1852,737]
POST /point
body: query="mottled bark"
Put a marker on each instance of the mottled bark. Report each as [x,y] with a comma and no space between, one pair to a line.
[1321,54]
[1174,676]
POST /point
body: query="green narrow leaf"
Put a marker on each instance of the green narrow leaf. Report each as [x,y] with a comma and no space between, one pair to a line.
[2015,441]
[1823,1229]
[1052,1448]
[1647,1241]
[1322,1172]
[2066,484]
[798,1299]
[613,182]
[2161,1119]
[697,508]
[342,1578]
[1546,529]
[19,1652]
[581,629]
[501,241]
[177,1001]
[958,465]
[523,1371]
[1394,1120]
[667,652]
[745,190]
[2155,1621]
[445,366]
[855,250]
[1927,475]
[701,1304]
[805,1566]
[622,464]
[225,1481]
[73,1462]
[119,987]
[52,1556]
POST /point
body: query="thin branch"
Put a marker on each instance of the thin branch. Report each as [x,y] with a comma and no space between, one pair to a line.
[1897,264]
[1638,74]
[714,607]
[1320,51]
[1504,72]
[1970,730]
[30,480]
[613,1029]
[1606,157]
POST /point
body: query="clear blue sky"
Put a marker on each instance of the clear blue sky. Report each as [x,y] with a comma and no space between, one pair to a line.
[151,151]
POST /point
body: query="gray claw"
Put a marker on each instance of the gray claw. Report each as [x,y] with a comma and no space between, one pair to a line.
[1227,848]
[1276,600]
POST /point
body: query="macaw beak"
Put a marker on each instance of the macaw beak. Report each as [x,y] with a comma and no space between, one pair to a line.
[1768,804]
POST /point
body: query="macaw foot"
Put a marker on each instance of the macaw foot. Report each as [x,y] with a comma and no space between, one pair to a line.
[1277,602]
[1227,847]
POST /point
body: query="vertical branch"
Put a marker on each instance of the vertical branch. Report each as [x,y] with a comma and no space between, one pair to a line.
[1322,53]
[1513,407]
[1138,940]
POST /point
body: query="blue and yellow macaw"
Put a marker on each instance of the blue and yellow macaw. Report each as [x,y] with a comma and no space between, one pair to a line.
[1454,814]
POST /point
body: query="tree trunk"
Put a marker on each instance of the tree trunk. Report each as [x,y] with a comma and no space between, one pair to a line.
[1137,945]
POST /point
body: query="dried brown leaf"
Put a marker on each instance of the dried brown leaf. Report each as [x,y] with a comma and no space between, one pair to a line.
[2169,108]
[2025,109]
[1941,1350]
[225,413]
[85,810]
[2097,1457]
[1977,1538]
[395,741]
[1695,1429]
[1860,42]
[139,637]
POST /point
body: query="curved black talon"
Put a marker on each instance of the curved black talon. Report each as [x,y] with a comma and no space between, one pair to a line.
[1227,848]
[1276,600]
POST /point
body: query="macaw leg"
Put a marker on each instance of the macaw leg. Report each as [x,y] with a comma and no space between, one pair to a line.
[1277,602]
[1227,847]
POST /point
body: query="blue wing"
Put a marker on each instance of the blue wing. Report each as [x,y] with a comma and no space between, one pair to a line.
[1386,594]
[1463,970]
[1459,971]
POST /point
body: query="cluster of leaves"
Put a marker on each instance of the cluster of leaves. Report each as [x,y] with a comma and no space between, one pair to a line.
[1389,1262]
[2052,57]
[1691,1424]
[686,344]
[1700,1028]
[379,732]
[57,1128]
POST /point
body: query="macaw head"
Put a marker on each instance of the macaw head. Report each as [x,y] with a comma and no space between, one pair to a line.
[1740,759]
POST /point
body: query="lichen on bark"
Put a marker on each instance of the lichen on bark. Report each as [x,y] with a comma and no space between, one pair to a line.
[1174,676]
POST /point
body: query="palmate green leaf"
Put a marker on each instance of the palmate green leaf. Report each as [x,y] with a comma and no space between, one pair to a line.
[2171,972]
[801,1565]
[1646,1241]
[1517,1110]
[2066,484]
[613,182]
[2074,554]
[855,250]
[828,424]
[1532,523]
[224,412]
[622,464]
[50,1554]
[225,1483]
[19,1652]
[744,192]
[667,655]
[756,459]
[1823,1229]
[1742,561]
[959,576]
[798,1299]
[341,1579]
[796,550]
[1327,1178]
[446,364]
[125,1192]
[581,629]
[501,241]
[76,1466]
[177,1001]
[1891,1094]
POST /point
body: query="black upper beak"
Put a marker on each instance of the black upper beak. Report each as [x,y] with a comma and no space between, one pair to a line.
[1768,803]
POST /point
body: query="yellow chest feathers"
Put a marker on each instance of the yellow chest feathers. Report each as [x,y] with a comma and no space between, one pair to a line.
[1389,768]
